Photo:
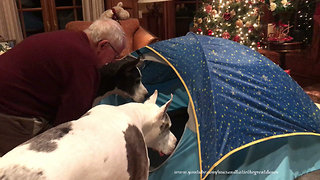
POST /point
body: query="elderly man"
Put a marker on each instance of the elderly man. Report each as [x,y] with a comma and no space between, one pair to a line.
[51,78]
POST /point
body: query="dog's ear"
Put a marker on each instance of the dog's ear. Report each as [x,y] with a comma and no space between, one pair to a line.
[111,69]
[140,57]
[153,98]
[165,107]
[162,112]
[130,62]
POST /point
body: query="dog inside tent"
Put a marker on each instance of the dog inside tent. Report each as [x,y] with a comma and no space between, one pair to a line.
[237,115]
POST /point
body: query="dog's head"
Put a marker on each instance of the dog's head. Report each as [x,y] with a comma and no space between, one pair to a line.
[123,78]
[157,132]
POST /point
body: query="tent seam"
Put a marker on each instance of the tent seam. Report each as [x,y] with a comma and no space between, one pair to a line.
[192,105]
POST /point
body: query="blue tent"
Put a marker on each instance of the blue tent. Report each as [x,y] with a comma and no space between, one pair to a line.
[245,109]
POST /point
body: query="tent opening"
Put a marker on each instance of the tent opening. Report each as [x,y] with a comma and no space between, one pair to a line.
[158,75]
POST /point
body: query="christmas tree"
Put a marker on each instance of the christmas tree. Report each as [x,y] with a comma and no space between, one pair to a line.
[237,20]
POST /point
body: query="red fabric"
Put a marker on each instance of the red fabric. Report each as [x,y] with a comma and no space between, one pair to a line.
[50,75]
[317,12]
[316,18]
[315,53]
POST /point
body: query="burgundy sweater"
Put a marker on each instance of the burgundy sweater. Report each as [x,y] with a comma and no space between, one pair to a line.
[50,75]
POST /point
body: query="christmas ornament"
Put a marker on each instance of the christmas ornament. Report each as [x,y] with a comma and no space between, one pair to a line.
[256,11]
[239,23]
[232,13]
[248,24]
[236,38]
[227,16]
[225,35]
[214,12]
[208,8]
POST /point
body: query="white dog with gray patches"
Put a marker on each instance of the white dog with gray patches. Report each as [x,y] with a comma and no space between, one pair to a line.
[108,142]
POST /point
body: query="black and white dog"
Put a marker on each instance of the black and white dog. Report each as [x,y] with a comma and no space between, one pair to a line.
[123,78]
[108,142]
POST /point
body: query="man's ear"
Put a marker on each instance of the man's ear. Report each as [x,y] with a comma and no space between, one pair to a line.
[101,44]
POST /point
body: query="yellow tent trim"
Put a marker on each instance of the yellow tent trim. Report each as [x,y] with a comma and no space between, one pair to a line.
[256,142]
[191,102]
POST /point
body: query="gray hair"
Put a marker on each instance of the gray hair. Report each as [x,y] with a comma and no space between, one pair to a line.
[107,29]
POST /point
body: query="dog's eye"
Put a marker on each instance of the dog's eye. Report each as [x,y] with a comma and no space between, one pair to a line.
[164,126]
